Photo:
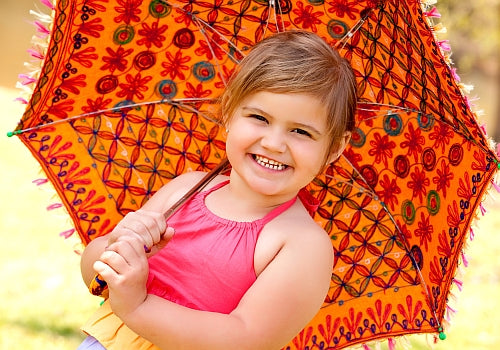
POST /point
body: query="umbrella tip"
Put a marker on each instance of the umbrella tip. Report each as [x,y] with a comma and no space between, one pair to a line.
[442,335]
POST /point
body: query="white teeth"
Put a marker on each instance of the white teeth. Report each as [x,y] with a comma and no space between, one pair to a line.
[269,163]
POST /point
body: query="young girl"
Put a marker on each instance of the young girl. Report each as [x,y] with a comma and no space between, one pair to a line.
[247,267]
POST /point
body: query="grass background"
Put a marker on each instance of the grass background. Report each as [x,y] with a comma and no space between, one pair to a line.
[42,299]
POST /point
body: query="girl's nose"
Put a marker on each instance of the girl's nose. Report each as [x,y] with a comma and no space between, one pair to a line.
[274,140]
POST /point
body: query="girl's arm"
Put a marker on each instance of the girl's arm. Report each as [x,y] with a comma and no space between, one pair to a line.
[285,296]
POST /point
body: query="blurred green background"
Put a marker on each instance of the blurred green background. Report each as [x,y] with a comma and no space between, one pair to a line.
[42,299]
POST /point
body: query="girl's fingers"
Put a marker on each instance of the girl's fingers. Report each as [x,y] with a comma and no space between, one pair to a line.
[149,225]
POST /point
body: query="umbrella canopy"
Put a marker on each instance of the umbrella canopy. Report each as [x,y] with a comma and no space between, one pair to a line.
[126,101]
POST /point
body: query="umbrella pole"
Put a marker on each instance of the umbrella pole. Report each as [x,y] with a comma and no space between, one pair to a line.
[198,187]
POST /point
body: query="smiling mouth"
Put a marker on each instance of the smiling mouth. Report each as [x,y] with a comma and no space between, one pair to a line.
[269,163]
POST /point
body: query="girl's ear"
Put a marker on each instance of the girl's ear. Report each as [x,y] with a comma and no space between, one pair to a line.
[342,145]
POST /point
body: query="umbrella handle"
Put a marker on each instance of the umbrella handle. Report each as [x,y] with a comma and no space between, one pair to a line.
[98,285]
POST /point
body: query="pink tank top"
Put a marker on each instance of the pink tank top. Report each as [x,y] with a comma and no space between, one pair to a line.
[209,263]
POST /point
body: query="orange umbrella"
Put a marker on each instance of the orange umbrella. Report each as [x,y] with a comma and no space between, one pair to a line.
[125,101]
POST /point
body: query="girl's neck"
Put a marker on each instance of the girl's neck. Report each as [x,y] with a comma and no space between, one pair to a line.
[238,202]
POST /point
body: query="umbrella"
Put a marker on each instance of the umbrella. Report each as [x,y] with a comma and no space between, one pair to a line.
[126,101]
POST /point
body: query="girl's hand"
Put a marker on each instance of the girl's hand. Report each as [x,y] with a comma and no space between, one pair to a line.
[149,226]
[124,266]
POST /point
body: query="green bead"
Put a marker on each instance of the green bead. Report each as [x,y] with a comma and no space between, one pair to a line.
[442,336]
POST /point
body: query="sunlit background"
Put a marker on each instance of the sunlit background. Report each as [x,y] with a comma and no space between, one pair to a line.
[42,300]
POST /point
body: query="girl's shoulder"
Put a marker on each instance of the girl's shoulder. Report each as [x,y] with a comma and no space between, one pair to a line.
[172,191]
[297,225]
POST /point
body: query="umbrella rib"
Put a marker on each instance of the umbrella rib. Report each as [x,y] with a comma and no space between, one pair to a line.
[202,30]
[178,102]
[381,290]
[209,44]
[272,4]
[343,41]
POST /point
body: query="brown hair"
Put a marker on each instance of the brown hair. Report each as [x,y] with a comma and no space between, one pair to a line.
[297,62]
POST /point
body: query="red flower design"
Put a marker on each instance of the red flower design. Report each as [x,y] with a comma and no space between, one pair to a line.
[72,84]
[344,7]
[175,66]
[57,151]
[444,175]
[389,192]
[77,176]
[129,11]
[444,247]
[196,92]
[224,75]
[116,59]
[184,15]
[134,87]
[418,184]
[90,203]
[353,157]
[330,330]
[414,141]
[453,219]
[61,109]
[352,323]
[412,313]
[85,56]
[378,316]
[404,230]
[96,105]
[366,116]
[301,341]
[442,134]
[209,50]
[307,17]
[381,148]
[424,230]
[436,273]
[152,35]
[464,187]
[94,4]
[92,27]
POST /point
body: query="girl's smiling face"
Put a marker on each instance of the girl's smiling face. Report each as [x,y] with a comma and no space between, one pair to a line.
[277,142]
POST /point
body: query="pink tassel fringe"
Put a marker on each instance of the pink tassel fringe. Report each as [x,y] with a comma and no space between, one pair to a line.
[39,182]
[67,234]
[482,208]
[444,45]
[22,100]
[464,260]
[26,79]
[48,3]
[35,54]
[458,283]
[434,13]
[495,186]
[54,206]
[391,343]
[41,28]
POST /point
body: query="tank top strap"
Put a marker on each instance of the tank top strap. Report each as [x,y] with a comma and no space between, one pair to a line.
[215,188]
[277,211]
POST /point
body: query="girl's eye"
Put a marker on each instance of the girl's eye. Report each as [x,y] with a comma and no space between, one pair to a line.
[258,117]
[302,132]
